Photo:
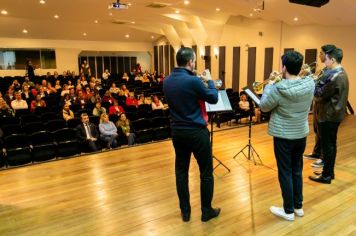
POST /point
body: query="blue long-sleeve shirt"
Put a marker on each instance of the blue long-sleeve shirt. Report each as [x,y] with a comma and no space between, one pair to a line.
[184,92]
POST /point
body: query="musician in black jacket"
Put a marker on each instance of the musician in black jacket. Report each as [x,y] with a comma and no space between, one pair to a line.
[87,133]
[331,96]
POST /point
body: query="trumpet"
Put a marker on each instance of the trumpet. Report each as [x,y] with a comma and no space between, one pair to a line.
[275,76]
[206,73]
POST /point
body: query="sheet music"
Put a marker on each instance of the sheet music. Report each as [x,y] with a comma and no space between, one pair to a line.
[253,96]
[223,103]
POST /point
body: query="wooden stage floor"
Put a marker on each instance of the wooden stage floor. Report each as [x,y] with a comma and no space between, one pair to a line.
[131,191]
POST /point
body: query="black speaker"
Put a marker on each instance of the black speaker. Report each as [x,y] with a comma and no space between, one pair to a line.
[312,3]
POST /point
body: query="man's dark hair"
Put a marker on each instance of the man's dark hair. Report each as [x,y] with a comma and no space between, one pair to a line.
[328,47]
[293,62]
[336,53]
[183,56]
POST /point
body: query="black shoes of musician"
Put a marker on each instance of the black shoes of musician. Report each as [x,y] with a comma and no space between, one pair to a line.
[319,173]
[321,179]
[311,156]
[185,216]
[214,212]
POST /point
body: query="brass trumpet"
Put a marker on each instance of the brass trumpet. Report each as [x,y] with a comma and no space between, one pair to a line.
[206,73]
[275,76]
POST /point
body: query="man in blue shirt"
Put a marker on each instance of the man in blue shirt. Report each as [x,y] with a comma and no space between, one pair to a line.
[186,95]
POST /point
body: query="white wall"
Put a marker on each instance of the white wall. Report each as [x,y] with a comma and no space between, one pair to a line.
[67,52]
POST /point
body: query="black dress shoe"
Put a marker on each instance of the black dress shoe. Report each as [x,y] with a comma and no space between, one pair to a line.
[214,212]
[185,216]
[319,173]
[311,156]
[321,179]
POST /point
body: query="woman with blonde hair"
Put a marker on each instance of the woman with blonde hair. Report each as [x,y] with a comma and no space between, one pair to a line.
[124,124]
[108,131]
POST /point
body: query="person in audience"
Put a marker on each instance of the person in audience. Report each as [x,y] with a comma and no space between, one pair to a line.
[116,109]
[65,90]
[244,105]
[42,91]
[26,93]
[78,87]
[156,103]
[83,81]
[108,131]
[289,103]
[38,102]
[145,79]
[125,76]
[73,96]
[142,100]
[114,89]
[58,84]
[82,101]
[67,113]
[44,84]
[10,95]
[95,98]
[16,85]
[108,97]
[66,100]
[124,125]
[98,109]
[105,75]
[70,85]
[85,69]
[30,83]
[124,91]
[88,93]
[50,89]
[131,100]
[19,103]
[5,110]
[87,133]
[30,69]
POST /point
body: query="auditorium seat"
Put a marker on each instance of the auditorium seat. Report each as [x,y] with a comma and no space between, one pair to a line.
[53,125]
[17,149]
[43,146]
[12,129]
[67,143]
[47,116]
[28,118]
[33,127]
[9,121]
[73,123]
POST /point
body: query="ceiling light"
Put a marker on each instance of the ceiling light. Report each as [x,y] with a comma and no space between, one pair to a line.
[295,19]
[42,1]
[217,9]
[24,31]
[56,16]
[96,21]
[110,14]
[129,4]
[4,12]
[127,36]
[251,15]
[186,2]
[133,22]
[84,34]
[152,37]
[177,11]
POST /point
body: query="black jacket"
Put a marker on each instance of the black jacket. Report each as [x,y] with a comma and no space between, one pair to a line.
[81,134]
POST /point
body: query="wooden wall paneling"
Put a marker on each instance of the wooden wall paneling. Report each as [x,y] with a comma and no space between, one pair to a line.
[160,59]
[113,65]
[166,59]
[310,57]
[127,64]
[99,66]
[155,58]
[172,58]
[120,65]
[92,65]
[107,64]
[222,52]
[251,66]
[236,68]
[268,63]
[133,64]
[207,57]
[288,49]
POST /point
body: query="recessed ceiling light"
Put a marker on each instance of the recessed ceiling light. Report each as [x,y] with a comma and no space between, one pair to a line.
[127,36]
[129,4]
[24,31]
[42,1]
[110,14]
[84,34]
[4,12]
[56,16]
[251,15]
[217,9]
[133,22]
[295,19]
[152,37]
[177,11]
[186,2]
[96,21]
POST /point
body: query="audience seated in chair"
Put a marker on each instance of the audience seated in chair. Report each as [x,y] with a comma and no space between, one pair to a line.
[67,113]
[18,103]
[244,105]
[144,100]
[131,100]
[156,103]
[87,133]
[98,109]
[5,110]
[38,102]
[108,131]
[116,109]
[124,125]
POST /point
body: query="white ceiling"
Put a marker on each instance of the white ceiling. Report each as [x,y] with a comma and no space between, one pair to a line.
[78,16]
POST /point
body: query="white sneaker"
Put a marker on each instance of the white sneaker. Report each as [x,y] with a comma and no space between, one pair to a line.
[299,212]
[279,211]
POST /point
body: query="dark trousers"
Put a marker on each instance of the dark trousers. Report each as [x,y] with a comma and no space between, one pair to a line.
[317,146]
[186,142]
[328,131]
[289,156]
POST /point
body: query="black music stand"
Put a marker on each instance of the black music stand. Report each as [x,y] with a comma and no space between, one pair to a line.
[222,105]
[251,150]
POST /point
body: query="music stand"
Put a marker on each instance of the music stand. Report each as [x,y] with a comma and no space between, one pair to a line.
[222,105]
[251,150]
